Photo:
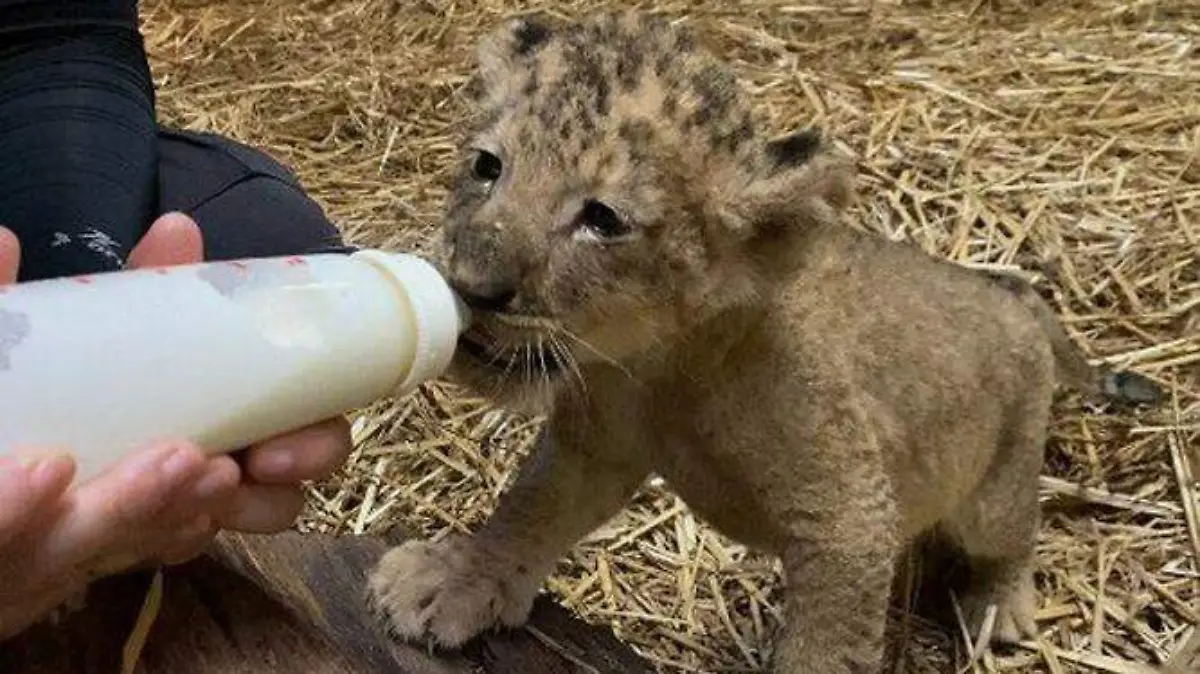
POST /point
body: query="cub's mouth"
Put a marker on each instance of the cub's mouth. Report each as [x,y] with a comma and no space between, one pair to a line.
[512,356]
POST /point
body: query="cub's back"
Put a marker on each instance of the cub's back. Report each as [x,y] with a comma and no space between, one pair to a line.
[946,361]
[907,320]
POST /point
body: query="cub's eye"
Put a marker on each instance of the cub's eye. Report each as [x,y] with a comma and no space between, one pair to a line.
[487,166]
[602,220]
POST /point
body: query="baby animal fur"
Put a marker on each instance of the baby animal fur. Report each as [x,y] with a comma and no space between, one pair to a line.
[679,292]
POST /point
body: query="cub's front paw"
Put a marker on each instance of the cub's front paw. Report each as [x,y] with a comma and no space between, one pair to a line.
[448,592]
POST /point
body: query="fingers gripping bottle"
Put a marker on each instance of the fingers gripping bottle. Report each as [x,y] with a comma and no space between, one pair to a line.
[224,354]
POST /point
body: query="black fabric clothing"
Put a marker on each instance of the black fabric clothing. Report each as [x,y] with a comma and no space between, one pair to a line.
[77,134]
[21,15]
[246,203]
[85,169]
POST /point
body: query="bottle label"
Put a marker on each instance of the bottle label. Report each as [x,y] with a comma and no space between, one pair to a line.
[14,328]
[231,278]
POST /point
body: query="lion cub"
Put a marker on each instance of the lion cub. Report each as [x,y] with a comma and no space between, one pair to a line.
[678,291]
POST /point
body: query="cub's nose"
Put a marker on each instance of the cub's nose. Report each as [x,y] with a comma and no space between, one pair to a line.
[482,270]
[485,296]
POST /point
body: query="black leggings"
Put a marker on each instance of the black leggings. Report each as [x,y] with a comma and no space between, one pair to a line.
[85,170]
[246,203]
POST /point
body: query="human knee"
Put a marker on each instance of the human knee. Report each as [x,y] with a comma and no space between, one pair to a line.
[247,203]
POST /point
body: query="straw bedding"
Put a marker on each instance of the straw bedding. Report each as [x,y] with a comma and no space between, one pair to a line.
[1060,138]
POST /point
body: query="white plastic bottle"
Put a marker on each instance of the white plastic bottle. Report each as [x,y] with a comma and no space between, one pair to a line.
[224,354]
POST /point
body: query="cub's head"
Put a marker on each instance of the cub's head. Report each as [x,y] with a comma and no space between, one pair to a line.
[614,193]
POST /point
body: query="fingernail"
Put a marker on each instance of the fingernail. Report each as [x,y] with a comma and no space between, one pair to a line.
[28,459]
[178,464]
[211,485]
[276,463]
[50,469]
[40,466]
[150,460]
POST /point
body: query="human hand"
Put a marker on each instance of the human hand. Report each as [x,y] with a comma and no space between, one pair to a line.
[269,497]
[163,504]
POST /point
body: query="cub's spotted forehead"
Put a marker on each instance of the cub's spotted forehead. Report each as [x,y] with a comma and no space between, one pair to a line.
[628,74]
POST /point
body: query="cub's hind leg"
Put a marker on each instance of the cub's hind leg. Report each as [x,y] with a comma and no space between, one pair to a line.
[997,528]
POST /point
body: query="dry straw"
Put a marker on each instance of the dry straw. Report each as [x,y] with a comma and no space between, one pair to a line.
[1059,138]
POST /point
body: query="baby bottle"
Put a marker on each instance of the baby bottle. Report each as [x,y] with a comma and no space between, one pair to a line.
[224,354]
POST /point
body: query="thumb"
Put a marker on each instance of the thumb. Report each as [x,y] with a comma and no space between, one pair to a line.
[173,239]
[10,256]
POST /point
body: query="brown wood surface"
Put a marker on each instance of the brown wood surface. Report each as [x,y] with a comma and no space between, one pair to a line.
[291,603]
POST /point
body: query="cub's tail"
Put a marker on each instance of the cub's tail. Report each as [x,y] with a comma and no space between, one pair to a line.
[1073,369]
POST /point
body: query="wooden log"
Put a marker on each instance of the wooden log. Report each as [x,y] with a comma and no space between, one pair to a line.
[291,603]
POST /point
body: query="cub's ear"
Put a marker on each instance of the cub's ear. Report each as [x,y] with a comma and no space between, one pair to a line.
[503,52]
[794,181]
[793,186]
[794,149]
